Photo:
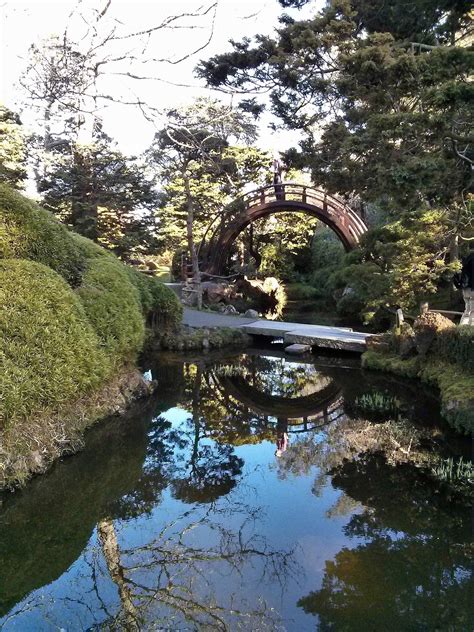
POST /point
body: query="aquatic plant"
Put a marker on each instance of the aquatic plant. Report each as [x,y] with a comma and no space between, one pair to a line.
[459,473]
[378,402]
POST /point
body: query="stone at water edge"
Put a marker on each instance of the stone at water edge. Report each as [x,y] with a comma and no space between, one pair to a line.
[297,349]
[426,327]
[251,313]
[230,310]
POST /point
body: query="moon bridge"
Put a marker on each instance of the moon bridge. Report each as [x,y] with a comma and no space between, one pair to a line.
[286,197]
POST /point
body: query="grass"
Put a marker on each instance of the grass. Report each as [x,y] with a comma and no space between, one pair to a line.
[456,385]
[375,403]
[301,292]
[163,274]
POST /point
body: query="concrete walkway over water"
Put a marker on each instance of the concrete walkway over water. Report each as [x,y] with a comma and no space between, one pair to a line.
[338,338]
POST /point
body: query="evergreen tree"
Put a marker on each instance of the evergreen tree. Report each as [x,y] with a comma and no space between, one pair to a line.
[102,195]
[203,166]
[12,148]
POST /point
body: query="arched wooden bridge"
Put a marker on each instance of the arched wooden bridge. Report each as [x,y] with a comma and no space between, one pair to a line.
[288,197]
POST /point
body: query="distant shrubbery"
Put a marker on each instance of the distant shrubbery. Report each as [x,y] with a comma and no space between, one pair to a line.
[70,312]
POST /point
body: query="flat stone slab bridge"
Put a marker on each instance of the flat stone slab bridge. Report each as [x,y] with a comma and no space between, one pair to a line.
[299,337]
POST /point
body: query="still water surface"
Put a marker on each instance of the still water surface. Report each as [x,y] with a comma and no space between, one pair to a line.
[183,515]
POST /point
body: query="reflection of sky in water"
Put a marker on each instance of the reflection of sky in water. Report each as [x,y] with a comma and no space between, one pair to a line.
[289,516]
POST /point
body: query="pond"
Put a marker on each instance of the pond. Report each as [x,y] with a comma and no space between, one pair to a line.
[252,492]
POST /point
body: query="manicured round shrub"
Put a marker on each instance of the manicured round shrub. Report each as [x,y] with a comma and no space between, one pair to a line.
[167,311]
[112,305]
[49,353]
[29,232]
[160,305]
[88,248]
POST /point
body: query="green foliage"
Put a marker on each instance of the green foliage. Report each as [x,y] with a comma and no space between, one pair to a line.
[457,392]
[396,265]
[300,292]
[29,232]
[112,305]
[382,116]
[455,385]
[160,305]
[89,249]
[456,345]
[378,403]
[12,149]
[457,473]
[102,194]
[204,160]
[49,353]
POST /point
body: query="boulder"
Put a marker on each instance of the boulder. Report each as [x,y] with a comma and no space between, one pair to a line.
[426,327]
[378,342]
[215,292]
[230,310]
[251,313]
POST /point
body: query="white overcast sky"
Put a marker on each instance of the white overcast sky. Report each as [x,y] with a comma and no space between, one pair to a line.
[25,22]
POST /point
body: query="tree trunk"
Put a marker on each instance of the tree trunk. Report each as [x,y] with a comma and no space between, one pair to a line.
[110,548]
[191,245]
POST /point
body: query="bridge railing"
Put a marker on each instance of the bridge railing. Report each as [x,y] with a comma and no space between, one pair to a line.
[290,192]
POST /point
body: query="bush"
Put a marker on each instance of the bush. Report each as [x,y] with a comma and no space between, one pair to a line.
[456,345]
[49,353]
[160,305]
[301,292]
[167,311]
[29,232]
[112,305]
[89,249]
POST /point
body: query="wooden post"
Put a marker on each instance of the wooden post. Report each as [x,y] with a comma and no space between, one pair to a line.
[399,322]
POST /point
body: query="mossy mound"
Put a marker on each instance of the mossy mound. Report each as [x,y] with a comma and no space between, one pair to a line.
[49,352]
[112,305]
[29,232]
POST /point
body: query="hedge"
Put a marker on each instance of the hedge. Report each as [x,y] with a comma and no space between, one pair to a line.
[456,345]
[112,305]
[160,305]
[29,232]
[49,353]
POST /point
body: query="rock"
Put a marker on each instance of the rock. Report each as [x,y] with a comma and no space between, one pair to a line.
[251,313]
[215,292]
[230,310]
[378,342]
[297,349]
[406,346]
[426,327]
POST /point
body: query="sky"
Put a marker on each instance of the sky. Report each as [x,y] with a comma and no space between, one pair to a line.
[23,23]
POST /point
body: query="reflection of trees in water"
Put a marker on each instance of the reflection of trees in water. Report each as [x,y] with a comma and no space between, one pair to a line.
[415,571]
[279,376]
[173,581]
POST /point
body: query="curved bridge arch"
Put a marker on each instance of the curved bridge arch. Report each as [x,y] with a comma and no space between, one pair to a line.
[276,198]
[303,413]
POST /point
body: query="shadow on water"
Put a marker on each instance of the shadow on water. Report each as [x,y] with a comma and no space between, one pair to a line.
[200,449]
